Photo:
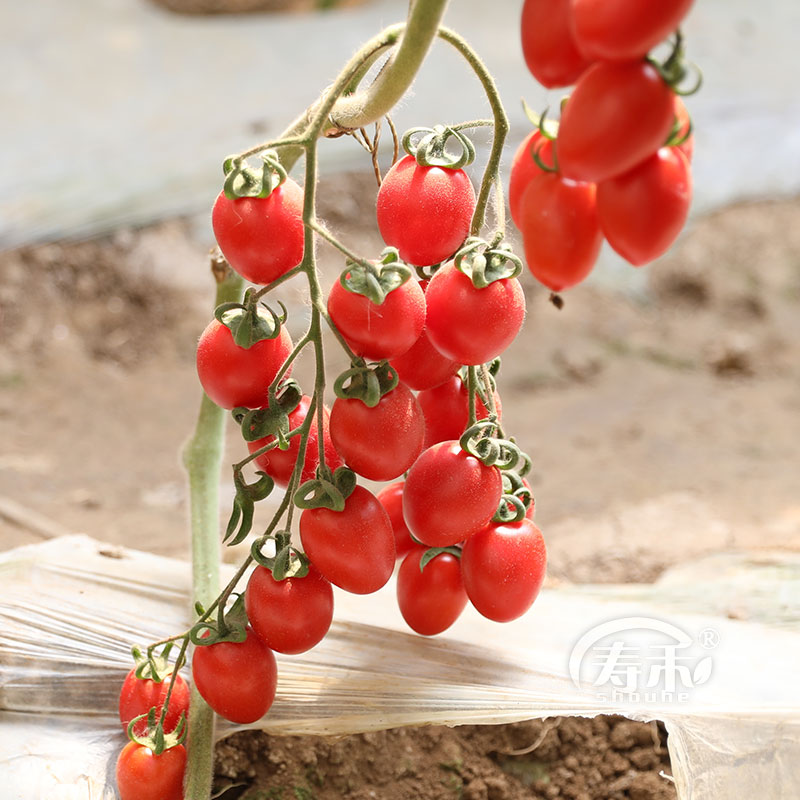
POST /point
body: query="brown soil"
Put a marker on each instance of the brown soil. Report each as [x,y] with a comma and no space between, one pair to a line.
[663,425]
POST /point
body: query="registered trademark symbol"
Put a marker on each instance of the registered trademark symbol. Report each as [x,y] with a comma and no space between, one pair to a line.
[708,638]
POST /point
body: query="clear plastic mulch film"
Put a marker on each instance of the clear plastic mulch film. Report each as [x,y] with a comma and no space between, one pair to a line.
[726,689]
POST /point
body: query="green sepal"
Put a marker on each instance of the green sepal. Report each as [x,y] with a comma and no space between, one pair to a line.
[250,322]
[156,738]
[243,180]
[152,667]
[323,493]
[247,495]
[431,149]
[483,263]
[676,138]
[479,443]
[230,626]
[510,509]
[287,562]
[432,552]
[258,423]
[675,68]
[367,384]
[375,280]
[546,127]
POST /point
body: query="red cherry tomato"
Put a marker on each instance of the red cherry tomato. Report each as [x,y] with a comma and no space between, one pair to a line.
[279,464]
[261,237]
[292,615]
[684,124]
[503,569]
[548,44]
[379,331]
[446,410]
[382,442]
[524,169]
[449,495]
[142,775]
[425,212]
[237,679]
[560,230]
[139,695]
[642,211]
[423,366]
[617,116]
[353,548]
[432,599]
[236,376]
[391,498]
[624,30]
[469,325]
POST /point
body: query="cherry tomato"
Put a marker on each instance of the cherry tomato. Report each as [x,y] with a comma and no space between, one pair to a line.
[548,44]
[379,331]
[469,325]
[391,498]
[425,212]
[449,495]
[353,548]
[503,569]
[642,211]
[279,464]
[237,376]
[560,230]
[142,775]
[292,615]
[139,695]
[524,169]
[446,410]
[684,123]
[624,30]
[617,116]
[237,679]
[261,237]
[423,366]
[432,599]
[382,442]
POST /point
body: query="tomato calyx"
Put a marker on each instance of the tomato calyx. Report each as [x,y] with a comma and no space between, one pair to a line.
[288,562]
[483,262]
[676,68]
[155,738]
[326,490]
[243,180]
[273,420]
[229,626]
[517,496]
[432,552]
[375,280]
[250,322]
[367,384]
[479,442]
[548,128]
[247,495]
[152,667]
[679,134]
[431,150]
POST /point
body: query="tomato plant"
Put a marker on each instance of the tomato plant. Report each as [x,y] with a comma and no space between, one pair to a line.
[430,599]
[143,775]
[139,695]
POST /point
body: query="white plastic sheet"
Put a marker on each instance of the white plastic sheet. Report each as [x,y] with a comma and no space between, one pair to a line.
[71,608]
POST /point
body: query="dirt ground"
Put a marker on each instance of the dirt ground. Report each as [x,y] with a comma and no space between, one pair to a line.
[663,424]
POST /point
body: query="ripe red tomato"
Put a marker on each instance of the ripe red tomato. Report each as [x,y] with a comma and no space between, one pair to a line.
[446,410]
[237,376]
[684,121]
[430,600]
[292,615]
[382,442]
[353,548]
[391,498]
[642,211]
[617,116]
[425,212]
[624,30]
[524,169]
[423,366]
[142,775]
[279,464]
[237,679]
[560,230]
[548,44]
[469,325]
[449,495]
[261,237]
[139,695]
[379,331]
[503,569]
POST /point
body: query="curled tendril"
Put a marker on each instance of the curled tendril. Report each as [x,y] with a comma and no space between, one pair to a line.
[484,263]
[367,384]
[243,180]
[431,149]
[478,442]
[375,280]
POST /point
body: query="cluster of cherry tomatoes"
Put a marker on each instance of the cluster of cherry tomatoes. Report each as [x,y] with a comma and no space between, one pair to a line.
[617,165]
